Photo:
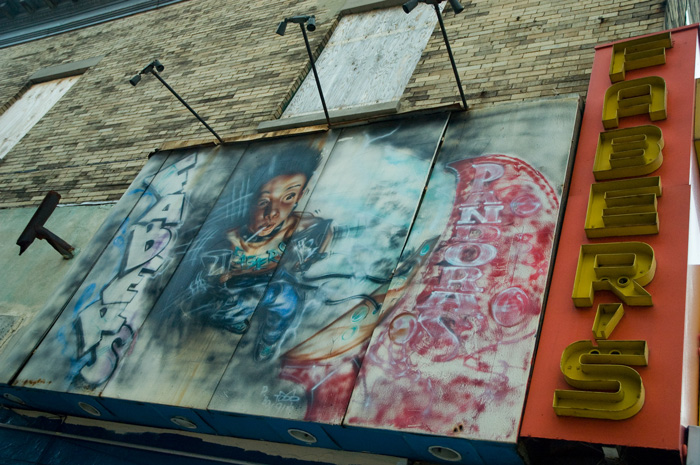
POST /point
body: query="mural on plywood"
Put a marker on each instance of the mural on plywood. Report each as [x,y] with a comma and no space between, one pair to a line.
[236,265]
[102,317]
[208,304]
[453,354]
[306,340]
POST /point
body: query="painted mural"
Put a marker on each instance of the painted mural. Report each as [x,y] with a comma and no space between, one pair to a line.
[250,275]
[453,353]
[198,320]
[100,322]
[17,351]
[316,278]
[305,342]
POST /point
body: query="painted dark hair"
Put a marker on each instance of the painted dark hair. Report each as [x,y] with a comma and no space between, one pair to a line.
[262,164]
[284,163]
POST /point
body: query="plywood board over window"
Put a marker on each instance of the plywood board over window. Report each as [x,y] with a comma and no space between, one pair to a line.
[367,62]
[19,119]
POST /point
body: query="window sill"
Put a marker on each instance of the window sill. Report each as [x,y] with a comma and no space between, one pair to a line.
[336,116]
[64,70]
[359,6]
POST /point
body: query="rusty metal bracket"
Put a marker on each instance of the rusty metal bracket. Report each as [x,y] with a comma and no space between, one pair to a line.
[36,230]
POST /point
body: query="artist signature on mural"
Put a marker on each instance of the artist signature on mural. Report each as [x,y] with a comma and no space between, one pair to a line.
[281,396]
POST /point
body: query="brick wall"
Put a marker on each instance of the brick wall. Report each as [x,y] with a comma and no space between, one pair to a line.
[523,49]
[226,61]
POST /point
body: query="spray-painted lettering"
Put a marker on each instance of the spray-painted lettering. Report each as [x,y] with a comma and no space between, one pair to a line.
[106,327]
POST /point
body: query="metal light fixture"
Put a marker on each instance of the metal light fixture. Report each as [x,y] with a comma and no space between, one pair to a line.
[457,8]
[282,28]
[409,6]
[310,22]
[154,68]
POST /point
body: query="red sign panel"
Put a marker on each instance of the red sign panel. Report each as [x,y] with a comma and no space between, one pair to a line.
[623,260]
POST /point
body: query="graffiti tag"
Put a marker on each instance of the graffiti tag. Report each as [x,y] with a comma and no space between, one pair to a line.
[106,327]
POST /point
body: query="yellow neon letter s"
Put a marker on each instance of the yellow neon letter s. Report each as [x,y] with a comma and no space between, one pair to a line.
[608,388]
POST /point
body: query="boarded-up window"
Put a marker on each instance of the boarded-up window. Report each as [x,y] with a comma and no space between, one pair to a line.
[16,122]
[368,60]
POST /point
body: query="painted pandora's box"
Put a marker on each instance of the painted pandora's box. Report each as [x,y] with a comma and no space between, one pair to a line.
[452,355]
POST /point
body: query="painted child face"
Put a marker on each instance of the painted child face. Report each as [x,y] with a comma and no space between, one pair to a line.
[276,201]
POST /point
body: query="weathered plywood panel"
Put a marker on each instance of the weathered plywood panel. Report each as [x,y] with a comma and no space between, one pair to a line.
[101,320]
[38,271]
[299,358]
[192,332]
[452,356]
[17,120]
[368,60]
[29,335]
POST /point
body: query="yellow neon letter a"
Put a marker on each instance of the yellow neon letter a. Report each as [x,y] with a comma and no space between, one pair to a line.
[636,97]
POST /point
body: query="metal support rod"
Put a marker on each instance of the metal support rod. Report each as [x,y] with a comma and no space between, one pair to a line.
[449,52]
[313,67]
[155,73]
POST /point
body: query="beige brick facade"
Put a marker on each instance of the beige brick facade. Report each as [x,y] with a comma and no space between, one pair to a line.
[226,61]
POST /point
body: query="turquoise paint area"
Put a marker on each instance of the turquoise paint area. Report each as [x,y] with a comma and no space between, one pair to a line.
[40,269]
